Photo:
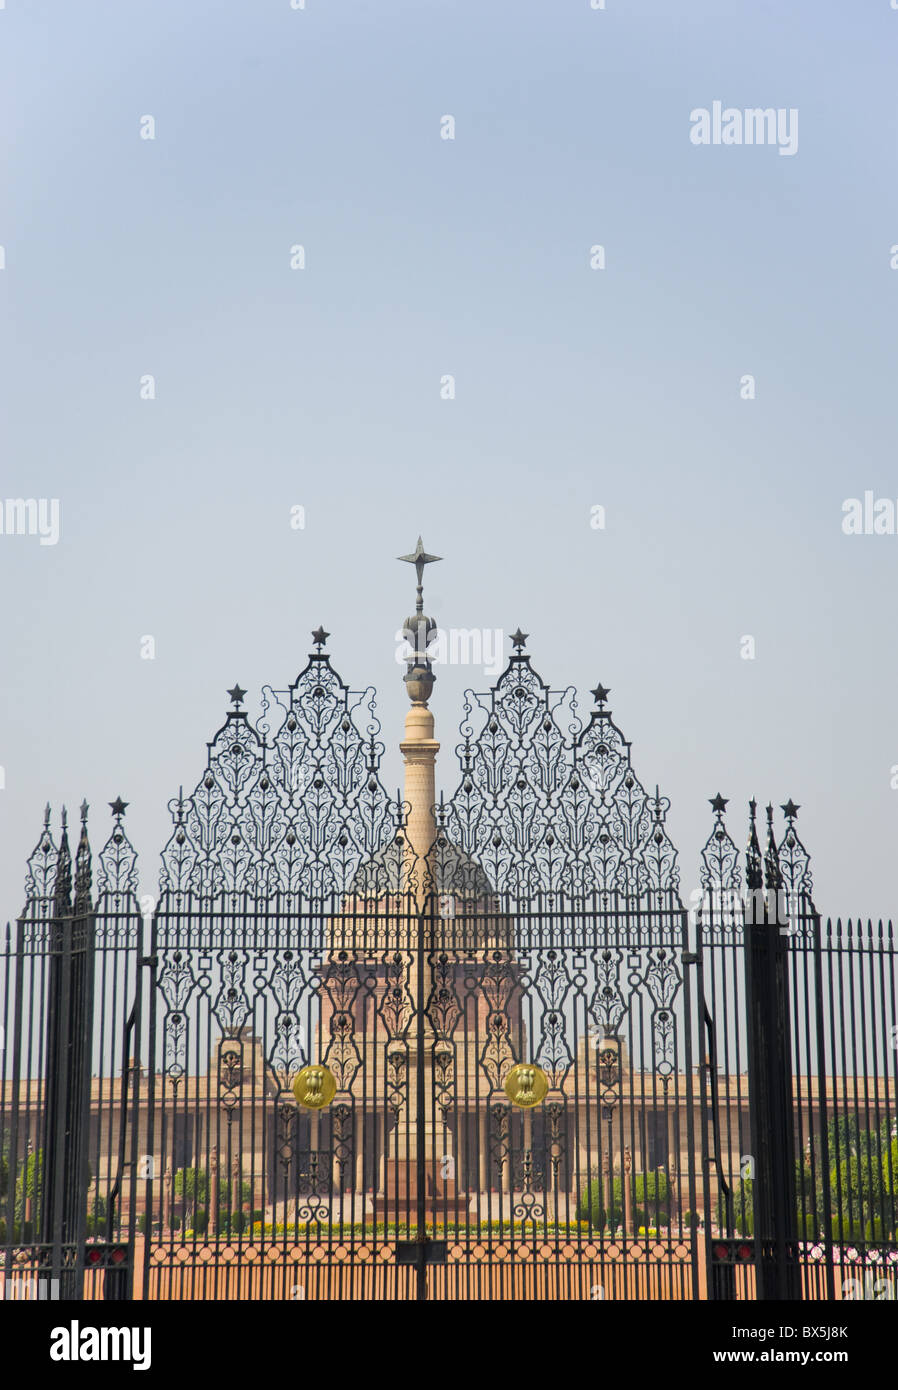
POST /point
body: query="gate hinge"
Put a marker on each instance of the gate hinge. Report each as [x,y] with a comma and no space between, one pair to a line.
[149,960]
[689,958]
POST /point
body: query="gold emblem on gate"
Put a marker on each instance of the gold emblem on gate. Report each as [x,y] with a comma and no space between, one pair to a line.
[315,1087]
[526,1085]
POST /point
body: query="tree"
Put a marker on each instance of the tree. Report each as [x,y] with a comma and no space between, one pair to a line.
[651,1201]
[743,1208]
[28,1189]
[191,1184]
[652,1191]
[591,1206]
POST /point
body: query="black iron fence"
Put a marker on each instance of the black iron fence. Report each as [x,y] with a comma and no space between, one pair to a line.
[519,1068]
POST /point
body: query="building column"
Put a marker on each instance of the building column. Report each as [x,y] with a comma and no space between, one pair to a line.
[482,1127]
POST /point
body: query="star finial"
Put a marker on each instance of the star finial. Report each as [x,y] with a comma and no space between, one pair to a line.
[519,640]
[237,694]
[419,558]
[118,806]
[319,637]
[790,809]
[601,693]
[719,804]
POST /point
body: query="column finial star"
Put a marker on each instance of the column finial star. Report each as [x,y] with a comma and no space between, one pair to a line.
[419,558]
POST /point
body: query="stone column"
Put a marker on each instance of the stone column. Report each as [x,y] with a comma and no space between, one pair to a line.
[360,1155]
[482,1123]
[628,1202]
[419,750]
[213,1192]
[235,1187]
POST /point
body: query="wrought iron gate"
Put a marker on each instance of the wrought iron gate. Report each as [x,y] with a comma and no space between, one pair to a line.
[502,1021]
[317,1066]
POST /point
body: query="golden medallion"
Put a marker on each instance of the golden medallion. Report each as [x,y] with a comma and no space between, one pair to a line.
[526,1085]
[315,1087]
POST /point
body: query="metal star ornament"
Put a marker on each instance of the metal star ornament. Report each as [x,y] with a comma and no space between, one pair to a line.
[601,693]
[319,637]
[118,806]
[719,804]
[237,694]
[790,809]
[519,639]
[419,558]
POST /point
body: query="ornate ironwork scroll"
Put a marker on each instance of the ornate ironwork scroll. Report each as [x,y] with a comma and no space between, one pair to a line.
[546,803]
[293,805]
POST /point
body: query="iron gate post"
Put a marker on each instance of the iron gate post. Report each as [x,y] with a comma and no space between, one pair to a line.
[771,1102]
[420,1123]
[64,1179]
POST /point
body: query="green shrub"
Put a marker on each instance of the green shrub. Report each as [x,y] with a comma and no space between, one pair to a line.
[743,1208]
[28,1187]
[234,1224]
[651,1202]
[95,1224]
[652,1189]
[877,1229]
[591,1206]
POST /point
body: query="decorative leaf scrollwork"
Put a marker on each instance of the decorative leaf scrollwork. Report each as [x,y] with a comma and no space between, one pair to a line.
[552,984]
[498,986]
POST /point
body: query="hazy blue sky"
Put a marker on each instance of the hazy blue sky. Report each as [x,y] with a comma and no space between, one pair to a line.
[574,387]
